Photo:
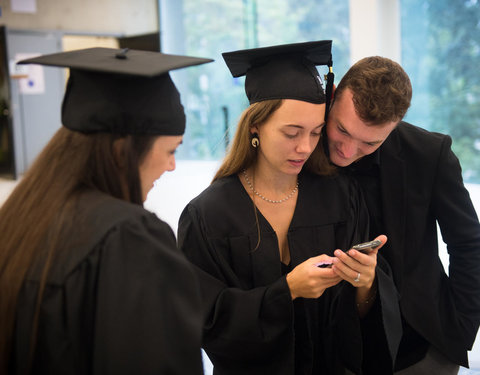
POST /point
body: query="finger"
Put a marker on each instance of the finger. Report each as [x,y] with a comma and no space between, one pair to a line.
[346,274]
[326,273]
[362,259]
[383,239]
[346,265]
[345,258]
[333,282]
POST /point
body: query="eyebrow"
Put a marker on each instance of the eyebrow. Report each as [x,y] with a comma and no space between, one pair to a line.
[302,127]
[340,125]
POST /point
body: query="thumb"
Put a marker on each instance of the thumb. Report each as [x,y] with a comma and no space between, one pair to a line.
[383,239]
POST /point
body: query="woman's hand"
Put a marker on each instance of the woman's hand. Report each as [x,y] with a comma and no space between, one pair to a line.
[356,267]
[308,280]
[359,270]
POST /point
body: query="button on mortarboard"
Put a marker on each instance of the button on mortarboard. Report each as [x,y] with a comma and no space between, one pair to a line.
[282,72]
[121,91]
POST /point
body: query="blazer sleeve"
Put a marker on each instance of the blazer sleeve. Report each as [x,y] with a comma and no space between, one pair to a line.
[239,325]
[146,319]
[460,230]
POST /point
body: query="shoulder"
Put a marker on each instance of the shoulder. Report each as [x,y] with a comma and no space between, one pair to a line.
[338,183]
[223,190]
[220,210]
[102,212]
[107,228]
[335,193]
[411,138]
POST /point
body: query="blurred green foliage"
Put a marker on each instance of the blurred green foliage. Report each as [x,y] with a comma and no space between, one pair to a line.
[441,53]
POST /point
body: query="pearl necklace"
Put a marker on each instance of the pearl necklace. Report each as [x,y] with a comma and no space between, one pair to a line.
[266,199]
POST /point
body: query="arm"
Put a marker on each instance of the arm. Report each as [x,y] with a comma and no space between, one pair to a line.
[359,269]
[147,317]
[240,324]
[461,232]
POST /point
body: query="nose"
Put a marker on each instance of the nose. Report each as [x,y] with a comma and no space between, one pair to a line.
[306,144]
[348,148]
[171,164]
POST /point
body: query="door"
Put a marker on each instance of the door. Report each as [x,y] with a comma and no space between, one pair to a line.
[36,101]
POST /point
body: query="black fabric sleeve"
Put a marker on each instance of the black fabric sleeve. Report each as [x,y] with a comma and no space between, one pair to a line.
[460,230]
[240,325]
[147,318]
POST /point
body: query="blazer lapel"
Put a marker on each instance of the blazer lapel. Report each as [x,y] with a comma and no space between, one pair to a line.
[394,192]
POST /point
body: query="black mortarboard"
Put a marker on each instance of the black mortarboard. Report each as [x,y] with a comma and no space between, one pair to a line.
[283,72]
[121,91]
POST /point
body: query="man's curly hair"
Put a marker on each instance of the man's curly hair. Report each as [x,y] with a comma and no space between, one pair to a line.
[381,90]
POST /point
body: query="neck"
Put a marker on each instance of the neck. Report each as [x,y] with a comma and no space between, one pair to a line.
[272,182]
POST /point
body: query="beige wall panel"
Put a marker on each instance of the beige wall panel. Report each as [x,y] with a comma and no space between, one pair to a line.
[125,17]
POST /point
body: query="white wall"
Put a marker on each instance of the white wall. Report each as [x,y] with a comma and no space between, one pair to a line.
[125,17]
[375,29]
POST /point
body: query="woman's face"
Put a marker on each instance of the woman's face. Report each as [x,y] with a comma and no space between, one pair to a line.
[159,159]
[290,135]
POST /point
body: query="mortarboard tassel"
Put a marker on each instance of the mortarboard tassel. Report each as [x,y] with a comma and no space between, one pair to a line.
[329,89]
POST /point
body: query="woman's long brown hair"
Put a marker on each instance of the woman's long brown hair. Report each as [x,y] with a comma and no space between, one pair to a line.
[40,209]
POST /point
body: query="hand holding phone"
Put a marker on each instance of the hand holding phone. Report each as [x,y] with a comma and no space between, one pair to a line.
[367,247]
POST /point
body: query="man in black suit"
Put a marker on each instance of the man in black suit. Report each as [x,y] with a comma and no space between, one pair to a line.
[411,181]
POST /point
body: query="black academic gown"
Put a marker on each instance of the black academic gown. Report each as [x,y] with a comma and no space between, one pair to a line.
[251,324]
[120,299]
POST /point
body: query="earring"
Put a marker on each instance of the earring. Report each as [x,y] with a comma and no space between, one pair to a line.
[255,140]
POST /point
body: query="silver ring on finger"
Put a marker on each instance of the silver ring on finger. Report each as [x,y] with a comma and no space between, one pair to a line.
[357,279]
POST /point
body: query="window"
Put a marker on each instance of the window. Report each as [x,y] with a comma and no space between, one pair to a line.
[441,52]
[212,98]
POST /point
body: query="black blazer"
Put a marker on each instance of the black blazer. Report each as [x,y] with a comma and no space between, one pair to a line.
[421,186]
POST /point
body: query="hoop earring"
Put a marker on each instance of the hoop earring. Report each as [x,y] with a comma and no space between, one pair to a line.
[255,140]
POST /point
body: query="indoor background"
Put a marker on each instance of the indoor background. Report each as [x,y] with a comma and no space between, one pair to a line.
[436,41]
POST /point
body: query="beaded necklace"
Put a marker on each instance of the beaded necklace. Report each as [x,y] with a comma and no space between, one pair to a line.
[266,199]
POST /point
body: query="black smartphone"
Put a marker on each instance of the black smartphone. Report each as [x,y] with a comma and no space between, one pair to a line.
[366,247]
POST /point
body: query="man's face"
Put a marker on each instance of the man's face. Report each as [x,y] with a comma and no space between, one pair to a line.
[349,137]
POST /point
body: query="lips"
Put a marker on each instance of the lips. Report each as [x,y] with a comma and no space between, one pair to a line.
[339,153]
[297,162]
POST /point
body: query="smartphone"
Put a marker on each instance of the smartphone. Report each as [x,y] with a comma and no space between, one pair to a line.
[366,247]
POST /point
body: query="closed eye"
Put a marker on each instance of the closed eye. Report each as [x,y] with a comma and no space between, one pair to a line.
[342,130]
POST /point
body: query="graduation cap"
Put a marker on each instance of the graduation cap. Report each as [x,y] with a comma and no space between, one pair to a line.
[121,91]
[284,72]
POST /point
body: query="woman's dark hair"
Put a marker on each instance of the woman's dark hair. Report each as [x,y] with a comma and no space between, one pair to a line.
[39,213]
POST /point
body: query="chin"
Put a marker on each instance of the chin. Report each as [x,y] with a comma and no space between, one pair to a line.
[341,162]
